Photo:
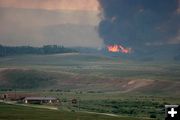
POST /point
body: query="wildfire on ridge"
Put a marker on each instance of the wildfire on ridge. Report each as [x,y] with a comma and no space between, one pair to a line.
[118,48]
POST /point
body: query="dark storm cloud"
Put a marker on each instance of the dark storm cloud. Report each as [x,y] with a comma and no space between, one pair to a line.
[139,22]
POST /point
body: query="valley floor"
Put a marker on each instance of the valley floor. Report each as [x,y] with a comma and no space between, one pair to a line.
[102,84]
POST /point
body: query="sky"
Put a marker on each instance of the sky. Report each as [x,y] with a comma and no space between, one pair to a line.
[90,23]
[40,22]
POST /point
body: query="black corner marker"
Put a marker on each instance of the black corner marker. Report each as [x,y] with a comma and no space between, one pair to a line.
[172,112]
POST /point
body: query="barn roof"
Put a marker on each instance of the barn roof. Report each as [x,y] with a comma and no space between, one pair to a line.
[40,98]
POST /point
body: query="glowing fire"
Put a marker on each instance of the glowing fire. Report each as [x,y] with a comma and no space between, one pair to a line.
[118,48]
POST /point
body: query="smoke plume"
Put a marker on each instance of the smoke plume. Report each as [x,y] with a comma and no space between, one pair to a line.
[139,22]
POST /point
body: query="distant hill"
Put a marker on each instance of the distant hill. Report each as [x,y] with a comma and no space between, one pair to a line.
[47,49]
[149,53]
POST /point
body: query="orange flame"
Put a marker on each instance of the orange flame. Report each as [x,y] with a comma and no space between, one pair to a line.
[118,48]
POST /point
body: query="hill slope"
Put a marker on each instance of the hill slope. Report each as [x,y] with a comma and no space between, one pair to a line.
[88,72]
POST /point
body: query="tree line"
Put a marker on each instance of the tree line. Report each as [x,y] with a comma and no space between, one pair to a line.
[47,49]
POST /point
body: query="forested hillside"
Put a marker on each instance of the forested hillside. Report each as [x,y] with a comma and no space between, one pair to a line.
[47,49]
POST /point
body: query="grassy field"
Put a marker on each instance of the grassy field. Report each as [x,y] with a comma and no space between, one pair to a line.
[102,84]
[13,112]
